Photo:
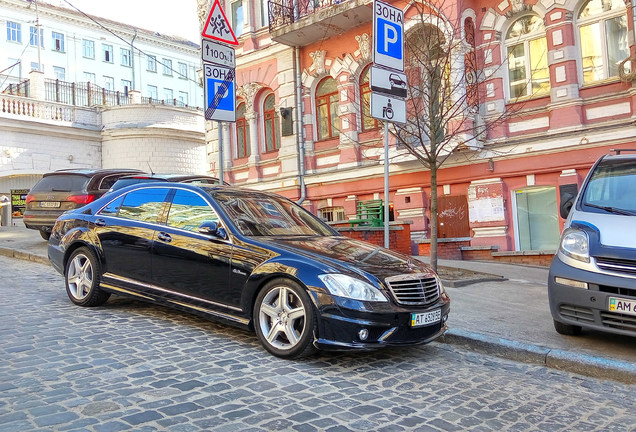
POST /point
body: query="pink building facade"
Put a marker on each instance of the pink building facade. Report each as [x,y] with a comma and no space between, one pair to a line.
[565,68]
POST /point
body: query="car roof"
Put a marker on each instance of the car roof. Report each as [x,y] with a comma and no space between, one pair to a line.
[91,172]
[169,177]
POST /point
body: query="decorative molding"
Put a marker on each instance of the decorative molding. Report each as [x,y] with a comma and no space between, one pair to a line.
[319,61]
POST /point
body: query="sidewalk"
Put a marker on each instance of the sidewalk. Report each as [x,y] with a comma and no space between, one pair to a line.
[508,318]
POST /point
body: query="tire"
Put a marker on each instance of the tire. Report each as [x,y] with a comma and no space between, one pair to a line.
[82,276]
[567,329]
[45,235]
[285,319]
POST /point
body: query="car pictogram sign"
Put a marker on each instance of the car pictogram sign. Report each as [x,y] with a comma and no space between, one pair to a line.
[217,26]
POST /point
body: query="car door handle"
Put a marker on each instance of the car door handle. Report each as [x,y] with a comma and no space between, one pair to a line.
[164,237]
[100,222]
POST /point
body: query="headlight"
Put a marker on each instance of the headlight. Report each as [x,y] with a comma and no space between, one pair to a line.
[575,244]
[350,287]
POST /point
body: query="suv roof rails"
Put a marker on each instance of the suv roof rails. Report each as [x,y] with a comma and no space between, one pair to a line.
[618,151]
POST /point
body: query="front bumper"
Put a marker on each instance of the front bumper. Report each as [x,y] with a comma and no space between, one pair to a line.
[340,322]
[589,308]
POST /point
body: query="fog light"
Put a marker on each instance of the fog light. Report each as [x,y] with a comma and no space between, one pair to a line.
[363,334]
[444,318]
[570,282]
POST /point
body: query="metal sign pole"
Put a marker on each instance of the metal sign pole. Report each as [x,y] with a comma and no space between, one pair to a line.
[219,124]
[386,184]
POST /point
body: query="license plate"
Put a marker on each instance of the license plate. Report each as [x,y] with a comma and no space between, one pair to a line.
[50,204]
[426,318]
[623,306]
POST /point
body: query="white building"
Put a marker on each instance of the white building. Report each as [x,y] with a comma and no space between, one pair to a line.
[74,47]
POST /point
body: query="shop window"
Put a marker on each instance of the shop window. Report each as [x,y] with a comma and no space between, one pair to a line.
[602,26]
[527,53]
[328,122]
[272,124]
[536,219]
[242,133]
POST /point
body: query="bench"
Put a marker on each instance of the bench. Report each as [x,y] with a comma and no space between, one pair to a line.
[369,213]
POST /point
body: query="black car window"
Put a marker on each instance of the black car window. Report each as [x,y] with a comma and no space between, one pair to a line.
[108,181]
[143,204]
[61,183]
[188,211]
[112,207]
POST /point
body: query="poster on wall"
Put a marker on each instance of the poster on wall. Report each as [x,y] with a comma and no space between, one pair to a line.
[18,202]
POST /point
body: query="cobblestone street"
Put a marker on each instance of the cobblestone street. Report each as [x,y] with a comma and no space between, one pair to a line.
[134,366]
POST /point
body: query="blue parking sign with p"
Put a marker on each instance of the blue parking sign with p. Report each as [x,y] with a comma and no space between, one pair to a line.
[390,39]
[388,36]
[227,101]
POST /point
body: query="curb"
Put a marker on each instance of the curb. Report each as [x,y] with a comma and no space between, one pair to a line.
[11,253]
[582,364]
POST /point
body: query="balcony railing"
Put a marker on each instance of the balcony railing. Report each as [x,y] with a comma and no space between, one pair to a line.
[15,88]
[301,22]
[82,94]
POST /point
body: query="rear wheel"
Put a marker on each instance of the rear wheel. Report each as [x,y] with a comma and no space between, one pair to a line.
[83,275]
[567,329]
[45,234]
[285,320]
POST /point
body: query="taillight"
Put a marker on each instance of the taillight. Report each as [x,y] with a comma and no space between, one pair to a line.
[29,198]
[81,199]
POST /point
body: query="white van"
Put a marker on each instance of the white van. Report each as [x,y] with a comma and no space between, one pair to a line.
[592,281]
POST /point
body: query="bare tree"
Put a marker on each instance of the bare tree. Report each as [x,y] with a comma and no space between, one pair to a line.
[445,91]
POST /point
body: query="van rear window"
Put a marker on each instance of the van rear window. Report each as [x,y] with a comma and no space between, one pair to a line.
[61,183]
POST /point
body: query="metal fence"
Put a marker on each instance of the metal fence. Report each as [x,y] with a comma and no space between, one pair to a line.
[173,102]
[17,88]
[285,12]
[82,94]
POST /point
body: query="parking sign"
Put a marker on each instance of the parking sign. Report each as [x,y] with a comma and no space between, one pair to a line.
[388,32]
[220,94]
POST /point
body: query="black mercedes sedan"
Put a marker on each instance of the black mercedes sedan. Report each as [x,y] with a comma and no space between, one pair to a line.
[251,259]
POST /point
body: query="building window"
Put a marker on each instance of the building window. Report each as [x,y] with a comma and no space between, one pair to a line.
[152,92]
[327,101]
[183,98]
[237,17]
[527,52]
[109,83]
[89,77]
[152,64]
[126,85]
[368,122]
[167,67]
[88,48]
[108,53]
[183,70]
[603,38]
[272,124]
[59,72]
[332,214]
[242,133]
[14,31]
[264,13]
[168,95]
[126,57]
[35,66]
[58,41]
[15,65]
[35,38]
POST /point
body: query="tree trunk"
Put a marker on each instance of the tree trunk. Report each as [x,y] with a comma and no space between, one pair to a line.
[433,221]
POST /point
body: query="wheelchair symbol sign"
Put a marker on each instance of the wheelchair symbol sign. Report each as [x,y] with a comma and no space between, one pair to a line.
[388,36]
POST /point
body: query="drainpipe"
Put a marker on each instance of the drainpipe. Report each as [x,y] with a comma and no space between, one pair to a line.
[300,144]
[132,59]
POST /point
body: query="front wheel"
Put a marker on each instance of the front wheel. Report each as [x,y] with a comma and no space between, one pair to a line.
[285,320]
[567,329]
[82,275]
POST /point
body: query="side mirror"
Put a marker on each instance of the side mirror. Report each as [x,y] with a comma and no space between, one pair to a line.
[213,229]
[567,201]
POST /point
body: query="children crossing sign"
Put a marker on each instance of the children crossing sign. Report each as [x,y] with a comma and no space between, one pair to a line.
[388,32]
[217,26]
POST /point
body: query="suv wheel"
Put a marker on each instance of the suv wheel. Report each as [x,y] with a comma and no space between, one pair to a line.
[567,329]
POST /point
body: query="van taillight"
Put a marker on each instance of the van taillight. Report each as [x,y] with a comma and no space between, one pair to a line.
[81,199]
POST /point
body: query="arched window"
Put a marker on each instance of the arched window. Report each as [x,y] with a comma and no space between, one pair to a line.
[242,133]
[272,124]
[527,50]
[368,122]
[327,101]
[603,37]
